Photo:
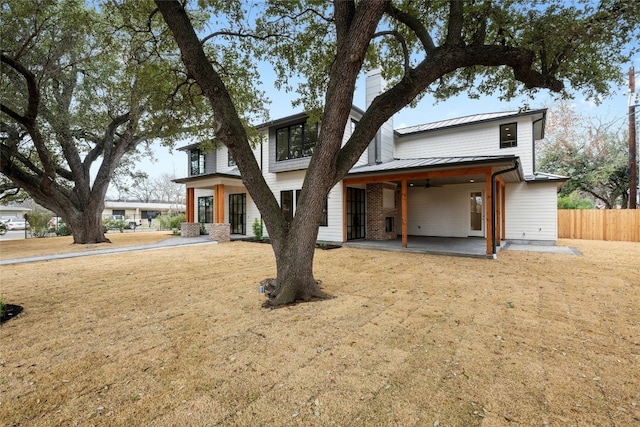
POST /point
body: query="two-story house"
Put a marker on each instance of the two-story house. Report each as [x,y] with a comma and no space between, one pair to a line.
[467,177]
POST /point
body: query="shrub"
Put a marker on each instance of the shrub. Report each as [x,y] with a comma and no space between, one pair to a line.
[172,221]
[64,230]
[39,223]
[574,201]
[257,229]
[114,224]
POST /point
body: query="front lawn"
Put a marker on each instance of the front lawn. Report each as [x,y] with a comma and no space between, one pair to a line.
[177,337]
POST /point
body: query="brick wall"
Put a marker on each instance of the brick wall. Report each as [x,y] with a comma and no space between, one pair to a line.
[220,232]
[377,213]
[189,229]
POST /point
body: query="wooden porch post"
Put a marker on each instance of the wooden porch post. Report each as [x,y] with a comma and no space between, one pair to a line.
[404,213]
[344,211]
[498,212]
[488,213]
[190,207]
[503,206]
[218,195]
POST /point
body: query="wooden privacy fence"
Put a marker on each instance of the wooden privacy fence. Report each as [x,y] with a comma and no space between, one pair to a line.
[596,224]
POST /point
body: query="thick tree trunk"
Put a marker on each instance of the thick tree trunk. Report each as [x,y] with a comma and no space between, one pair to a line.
[294,266]
[86,227]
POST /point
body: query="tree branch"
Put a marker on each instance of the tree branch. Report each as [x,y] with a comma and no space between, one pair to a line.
[228,126]
[456,20]
[344,12]
[403,44]
[29,118]
[32,87]
[415,25]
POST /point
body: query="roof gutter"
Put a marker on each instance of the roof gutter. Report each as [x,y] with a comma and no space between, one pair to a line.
[516,165]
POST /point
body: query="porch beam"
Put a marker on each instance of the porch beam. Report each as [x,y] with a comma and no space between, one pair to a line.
[488,213]
[420,175]
[404,213]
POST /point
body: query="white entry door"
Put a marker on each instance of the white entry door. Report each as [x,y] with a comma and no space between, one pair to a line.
[476,213]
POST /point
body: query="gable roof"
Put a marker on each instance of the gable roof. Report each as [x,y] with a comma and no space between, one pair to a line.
[467,120]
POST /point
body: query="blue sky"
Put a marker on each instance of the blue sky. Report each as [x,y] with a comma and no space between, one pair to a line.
[614,107]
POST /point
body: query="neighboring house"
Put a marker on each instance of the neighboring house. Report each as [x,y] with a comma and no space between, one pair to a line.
[140,210]
[13,211]
[467,177]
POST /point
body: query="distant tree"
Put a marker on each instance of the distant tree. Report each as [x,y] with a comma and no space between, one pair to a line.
[574,201]
[592,154]
[439,47]
[136,185]
[168,191]
[81,88]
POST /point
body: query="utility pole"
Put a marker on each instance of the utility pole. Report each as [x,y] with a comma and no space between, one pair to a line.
[633,164]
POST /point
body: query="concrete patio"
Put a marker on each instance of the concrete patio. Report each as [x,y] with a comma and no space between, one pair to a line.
[475,247]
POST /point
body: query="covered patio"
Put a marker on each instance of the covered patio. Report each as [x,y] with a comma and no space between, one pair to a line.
[491,172]
[474,247]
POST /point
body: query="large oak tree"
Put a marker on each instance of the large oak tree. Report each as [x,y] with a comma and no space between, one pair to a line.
[81,89]
[442,47]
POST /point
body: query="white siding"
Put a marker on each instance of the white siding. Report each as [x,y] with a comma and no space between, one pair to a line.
[386,133]
[439,211]
[293,180]
[222,160]
[531,212]
[333,232]
[473,140]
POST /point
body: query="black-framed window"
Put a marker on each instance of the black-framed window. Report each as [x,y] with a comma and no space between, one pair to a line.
[356,213]
[197,162]
[118,212]
[508,135]
[149,214]
[286,204]
[324,219]
[205,209]
[230,160]
[296,141]
[238,213]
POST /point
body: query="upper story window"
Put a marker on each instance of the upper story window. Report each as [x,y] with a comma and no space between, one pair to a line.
[197,162]
[230,161]
[296,141]
[508,135]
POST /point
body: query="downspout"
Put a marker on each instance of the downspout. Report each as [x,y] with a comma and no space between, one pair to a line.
[493,204]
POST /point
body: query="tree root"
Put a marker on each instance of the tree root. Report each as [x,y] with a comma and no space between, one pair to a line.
[278,296]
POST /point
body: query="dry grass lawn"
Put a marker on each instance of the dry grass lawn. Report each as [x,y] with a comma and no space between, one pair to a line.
[21,248]
[177,337]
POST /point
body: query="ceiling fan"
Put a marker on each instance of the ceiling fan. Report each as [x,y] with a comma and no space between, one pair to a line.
[429,185]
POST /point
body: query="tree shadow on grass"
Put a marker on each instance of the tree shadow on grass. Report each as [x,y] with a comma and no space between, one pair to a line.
[9,312]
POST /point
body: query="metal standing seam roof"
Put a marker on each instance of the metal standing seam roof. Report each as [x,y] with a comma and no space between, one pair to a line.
[397,164]
[442,124]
